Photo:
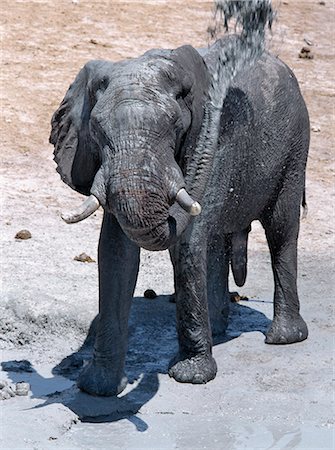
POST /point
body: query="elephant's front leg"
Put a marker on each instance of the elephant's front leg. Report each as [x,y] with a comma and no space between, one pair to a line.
[118,269]
[194,363]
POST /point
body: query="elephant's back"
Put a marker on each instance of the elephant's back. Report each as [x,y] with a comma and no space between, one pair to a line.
[264,127]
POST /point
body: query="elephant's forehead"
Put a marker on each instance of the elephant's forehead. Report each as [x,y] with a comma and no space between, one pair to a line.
[144,70]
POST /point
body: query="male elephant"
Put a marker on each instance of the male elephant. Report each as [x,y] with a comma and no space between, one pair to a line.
[136,137]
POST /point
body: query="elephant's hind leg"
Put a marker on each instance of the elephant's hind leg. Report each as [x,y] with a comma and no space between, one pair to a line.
[282,228]
[118,269]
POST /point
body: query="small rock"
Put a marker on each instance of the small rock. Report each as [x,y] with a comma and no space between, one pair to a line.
[149,293]
[83,257]
[316,129]
[322,2]
[22,388]
[308,42]
[23,235]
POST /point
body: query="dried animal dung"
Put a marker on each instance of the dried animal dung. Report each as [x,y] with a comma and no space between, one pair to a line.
[22,388]
[83,257]
[23,235]
[3,383]
[6,390]
[306,53]
[149,293]
[235,297]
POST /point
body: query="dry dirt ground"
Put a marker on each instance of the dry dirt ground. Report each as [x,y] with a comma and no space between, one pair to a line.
[263,396]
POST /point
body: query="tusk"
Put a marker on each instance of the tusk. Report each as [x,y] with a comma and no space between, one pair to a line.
[88,207]
[187,203]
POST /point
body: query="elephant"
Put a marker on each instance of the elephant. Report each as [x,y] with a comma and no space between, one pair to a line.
[135,137]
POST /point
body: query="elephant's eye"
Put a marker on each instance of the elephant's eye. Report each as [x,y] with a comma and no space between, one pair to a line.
[103,83]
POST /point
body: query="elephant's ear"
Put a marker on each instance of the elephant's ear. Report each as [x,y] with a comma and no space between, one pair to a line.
[194,79]
[77,155]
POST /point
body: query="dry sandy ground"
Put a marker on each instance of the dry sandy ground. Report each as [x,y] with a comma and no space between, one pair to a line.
[263,396]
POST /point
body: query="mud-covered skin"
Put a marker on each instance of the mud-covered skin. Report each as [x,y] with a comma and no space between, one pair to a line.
[101,379]
[287,330]
[128,133]
[197,369]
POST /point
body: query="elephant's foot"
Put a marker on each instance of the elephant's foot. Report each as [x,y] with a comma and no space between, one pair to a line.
[287,331]
[71,365]
[96,379]
[196,370]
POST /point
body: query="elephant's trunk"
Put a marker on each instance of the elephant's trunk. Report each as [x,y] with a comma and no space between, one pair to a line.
[141,195]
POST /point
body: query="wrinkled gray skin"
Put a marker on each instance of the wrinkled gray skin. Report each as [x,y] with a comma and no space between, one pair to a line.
[127,132]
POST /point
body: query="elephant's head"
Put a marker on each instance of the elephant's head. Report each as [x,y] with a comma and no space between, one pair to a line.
[126,133]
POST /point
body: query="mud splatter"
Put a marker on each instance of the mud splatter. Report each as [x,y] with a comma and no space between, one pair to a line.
[251,18]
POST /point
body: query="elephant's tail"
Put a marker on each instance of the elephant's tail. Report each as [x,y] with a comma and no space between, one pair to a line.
[304,205]
[239,256]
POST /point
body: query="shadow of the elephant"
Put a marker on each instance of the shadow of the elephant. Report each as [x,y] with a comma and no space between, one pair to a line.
[152,344]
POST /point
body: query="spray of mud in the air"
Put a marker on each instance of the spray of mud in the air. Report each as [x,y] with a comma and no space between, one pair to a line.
[251,18]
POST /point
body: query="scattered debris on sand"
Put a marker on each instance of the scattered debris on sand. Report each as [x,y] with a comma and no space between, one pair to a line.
[306,53]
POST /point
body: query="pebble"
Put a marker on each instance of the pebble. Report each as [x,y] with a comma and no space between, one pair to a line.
[23,235]
[83,257]
[149,293]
